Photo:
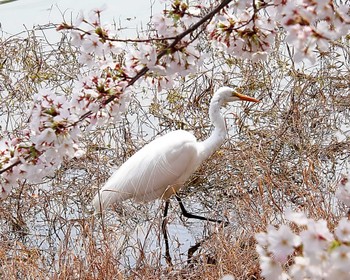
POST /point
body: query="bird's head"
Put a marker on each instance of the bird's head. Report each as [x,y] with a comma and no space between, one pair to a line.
[229,94]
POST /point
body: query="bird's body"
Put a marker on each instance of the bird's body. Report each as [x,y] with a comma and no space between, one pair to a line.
[159,169]
[162,167]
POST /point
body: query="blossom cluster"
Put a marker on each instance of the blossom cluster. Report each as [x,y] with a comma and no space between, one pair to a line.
[312,24]
[242,30]
[154,54]
[38,150]
[313,253]
[248,28]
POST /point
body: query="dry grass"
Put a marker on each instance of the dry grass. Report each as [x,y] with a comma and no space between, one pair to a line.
[283,152]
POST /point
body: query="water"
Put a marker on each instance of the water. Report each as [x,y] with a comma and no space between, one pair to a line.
[17,16]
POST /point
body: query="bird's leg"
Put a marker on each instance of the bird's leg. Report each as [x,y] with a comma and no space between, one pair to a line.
[192,250]
[195,247]
[193,216]
[165,233]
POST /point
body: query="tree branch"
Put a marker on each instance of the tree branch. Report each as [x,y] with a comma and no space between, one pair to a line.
[177,39]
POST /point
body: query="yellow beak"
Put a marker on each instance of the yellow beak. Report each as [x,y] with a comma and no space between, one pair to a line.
[246,98]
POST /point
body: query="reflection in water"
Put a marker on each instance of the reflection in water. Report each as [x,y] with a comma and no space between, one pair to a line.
[6,1]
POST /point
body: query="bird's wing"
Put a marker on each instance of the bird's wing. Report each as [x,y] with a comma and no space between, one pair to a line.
[169,160]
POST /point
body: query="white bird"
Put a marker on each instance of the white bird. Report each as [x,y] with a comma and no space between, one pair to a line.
[162,167]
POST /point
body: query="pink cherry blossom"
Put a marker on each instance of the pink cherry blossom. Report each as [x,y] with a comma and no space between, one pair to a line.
[270,269]
[281,242]
[317,235]
[342,231]
[92,44]
[300,269]
[297,217]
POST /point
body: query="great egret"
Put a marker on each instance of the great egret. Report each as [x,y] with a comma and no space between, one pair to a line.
[162,167]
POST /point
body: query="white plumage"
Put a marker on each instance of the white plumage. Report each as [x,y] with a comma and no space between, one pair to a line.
[162,167]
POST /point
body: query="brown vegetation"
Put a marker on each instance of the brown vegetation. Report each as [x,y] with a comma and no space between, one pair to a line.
[287,151]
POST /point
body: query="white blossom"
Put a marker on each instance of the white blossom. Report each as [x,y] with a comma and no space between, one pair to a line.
[281,242]
[342,231]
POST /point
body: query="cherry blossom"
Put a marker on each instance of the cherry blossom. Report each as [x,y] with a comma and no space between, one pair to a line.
[77,38]
[282,242]
[270,269]
[309,24]
[296,217]
[340,259]
[247,33]
[315,252]
[248,29]
[317,235]
[342,231]
[93,45]
[299,270]
[228,277]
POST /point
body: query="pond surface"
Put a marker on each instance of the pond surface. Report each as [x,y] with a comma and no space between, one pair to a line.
[19,15]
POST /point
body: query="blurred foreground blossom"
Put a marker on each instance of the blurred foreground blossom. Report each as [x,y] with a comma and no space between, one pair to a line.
[228,277]
[311,253]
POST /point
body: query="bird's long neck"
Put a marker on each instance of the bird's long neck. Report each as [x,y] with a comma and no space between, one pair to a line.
[215,140]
